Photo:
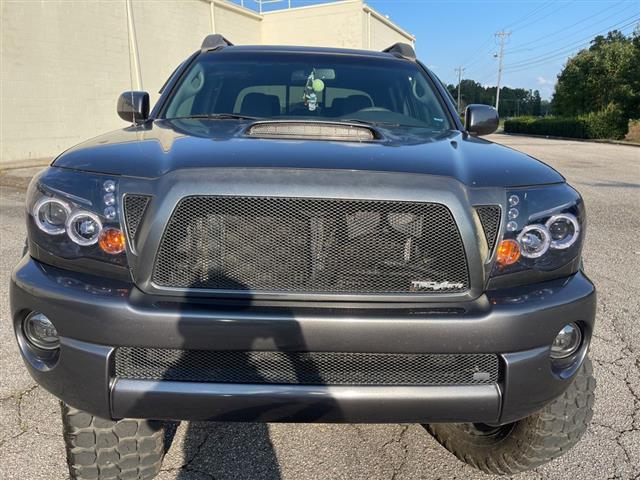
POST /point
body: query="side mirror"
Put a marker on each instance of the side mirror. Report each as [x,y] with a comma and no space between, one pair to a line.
[481,119]
[133,106]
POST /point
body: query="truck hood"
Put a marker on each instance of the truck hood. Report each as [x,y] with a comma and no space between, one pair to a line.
[156,148]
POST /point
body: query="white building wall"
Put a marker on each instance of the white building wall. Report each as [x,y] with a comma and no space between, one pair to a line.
[63,63]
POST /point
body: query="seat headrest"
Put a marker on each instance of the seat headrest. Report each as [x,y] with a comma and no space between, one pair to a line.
[260,105]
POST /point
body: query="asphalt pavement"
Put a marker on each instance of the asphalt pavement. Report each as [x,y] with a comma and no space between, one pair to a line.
[608,176]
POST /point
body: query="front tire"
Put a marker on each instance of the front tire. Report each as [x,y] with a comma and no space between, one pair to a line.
[527,443]
[106,449]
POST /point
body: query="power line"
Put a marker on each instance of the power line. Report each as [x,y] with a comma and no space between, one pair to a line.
[521,48]
[475,57]
[535,11]
[568,48]
[537,20]
[478,50]
[545,57]
[564,54]
[532,14]
[483,49]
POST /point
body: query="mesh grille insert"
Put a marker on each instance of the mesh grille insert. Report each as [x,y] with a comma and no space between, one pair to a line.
[490,219]
[306,368]
[311,245]
[134,208]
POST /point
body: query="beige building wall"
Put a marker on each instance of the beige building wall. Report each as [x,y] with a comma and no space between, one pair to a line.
[239,25]
[63,63]
[382,33]
[62,67]
[167,33]
[329,25]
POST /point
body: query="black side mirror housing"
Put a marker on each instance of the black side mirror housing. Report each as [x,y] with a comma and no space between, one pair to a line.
[133,106]
[481,119]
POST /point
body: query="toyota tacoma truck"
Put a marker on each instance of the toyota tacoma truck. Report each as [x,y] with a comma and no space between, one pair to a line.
[305,235]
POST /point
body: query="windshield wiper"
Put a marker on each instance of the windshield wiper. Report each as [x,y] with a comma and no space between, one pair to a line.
[369,122]
[216,116]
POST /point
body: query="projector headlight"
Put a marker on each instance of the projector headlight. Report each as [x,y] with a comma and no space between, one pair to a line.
[50,215]
[73,217]
[564,230]
[534,241]
[544,230]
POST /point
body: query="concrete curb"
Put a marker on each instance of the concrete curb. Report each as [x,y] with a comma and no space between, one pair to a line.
[586,140]
[19,178]
[17,165]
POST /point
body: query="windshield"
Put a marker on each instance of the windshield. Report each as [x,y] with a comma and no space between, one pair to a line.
[308,86]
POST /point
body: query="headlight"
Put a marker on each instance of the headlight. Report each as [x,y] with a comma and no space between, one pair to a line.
[544,230]
[50,215]
[75,216]
[564,230]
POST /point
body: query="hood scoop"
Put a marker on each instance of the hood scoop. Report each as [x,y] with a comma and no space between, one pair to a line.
[310,130]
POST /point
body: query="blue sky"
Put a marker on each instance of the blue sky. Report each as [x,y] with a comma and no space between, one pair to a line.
[544,33]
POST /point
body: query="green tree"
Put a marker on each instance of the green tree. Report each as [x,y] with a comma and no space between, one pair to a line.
[536,107]
[513,101]
[603,75]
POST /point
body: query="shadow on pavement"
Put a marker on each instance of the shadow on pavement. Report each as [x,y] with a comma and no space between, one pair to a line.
[228,450]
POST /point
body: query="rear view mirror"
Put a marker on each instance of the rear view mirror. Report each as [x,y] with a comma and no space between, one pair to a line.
[133,106]
[481,119]
[325,73]
[301,76]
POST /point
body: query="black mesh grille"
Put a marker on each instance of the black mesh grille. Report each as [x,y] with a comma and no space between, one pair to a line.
[311,245]
[134,208]
[490,219]
[306,368]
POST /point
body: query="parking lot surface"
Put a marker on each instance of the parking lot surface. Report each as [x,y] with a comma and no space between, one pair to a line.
[608,176]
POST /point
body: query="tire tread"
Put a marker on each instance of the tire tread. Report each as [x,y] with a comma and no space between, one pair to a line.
[534,440]
[106,449]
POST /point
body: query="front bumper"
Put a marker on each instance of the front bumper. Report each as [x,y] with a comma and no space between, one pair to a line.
[95,315]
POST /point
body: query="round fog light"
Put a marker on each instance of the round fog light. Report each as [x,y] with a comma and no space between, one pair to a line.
[567,341]
[40,332]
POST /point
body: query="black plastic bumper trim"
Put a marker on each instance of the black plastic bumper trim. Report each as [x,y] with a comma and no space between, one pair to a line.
[274,403]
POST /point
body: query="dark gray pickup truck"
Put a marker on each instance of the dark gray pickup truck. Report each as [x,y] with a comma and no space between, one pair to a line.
[305,235]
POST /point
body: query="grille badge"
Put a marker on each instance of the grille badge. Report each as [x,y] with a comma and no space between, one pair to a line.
[422,285]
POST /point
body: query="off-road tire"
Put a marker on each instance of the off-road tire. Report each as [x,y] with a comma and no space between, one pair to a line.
[527,443]
[105,449]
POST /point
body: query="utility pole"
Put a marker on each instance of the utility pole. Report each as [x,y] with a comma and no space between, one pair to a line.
[501,36]
[460,70]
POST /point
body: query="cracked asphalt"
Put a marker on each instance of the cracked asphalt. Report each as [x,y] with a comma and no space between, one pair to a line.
[608,176]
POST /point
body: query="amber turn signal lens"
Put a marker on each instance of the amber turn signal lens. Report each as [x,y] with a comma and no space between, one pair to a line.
[508,253]
[111,241]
